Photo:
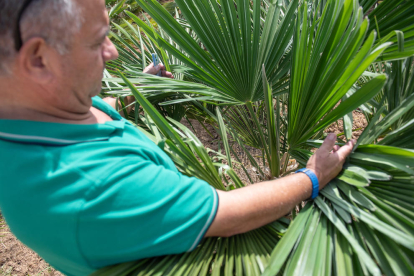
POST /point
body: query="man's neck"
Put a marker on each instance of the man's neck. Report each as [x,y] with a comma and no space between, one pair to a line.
[93,116]
[35,110]
[35,103]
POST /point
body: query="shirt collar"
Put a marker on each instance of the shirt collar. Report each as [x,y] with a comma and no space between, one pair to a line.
[45,133]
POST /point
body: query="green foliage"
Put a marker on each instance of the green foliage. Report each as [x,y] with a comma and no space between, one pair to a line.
[116,7]
[326,66]
[234,71]
[278,73]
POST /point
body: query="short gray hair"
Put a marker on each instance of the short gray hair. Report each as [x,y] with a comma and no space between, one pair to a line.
[54,20]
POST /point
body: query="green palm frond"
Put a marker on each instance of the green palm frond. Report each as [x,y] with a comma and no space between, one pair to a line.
[277,71]
[340,231]
[236,42]
[327,61]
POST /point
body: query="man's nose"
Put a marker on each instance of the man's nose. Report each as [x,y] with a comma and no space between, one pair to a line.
[110,52]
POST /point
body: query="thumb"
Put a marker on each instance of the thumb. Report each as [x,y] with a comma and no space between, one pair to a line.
[329,142]
[346,150]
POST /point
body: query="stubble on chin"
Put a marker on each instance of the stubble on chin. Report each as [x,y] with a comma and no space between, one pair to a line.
[96,91]
[98,87]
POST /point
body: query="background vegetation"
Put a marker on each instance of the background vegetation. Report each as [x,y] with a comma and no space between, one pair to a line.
[272,76]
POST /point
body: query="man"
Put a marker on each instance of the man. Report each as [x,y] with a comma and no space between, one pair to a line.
[83,187]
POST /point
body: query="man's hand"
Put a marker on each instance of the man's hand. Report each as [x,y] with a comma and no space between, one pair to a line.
[248,208]
[153,70]
[328,160]
[130,99]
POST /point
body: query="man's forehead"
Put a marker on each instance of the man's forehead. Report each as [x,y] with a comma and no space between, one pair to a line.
[91,4]
[95,16]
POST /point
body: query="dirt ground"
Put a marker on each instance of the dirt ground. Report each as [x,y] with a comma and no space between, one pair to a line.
[18,260]
[359,125]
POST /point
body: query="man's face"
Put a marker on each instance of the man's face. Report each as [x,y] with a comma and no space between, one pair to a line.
[83,66]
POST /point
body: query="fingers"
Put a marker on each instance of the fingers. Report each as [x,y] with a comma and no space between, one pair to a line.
[336,148]
[329,143]
[154,70]
[150,69]
[346,150]
[157,68]
[164,72]
[167,74]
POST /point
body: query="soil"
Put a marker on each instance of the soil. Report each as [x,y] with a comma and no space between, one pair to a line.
[359,124]
[18,260]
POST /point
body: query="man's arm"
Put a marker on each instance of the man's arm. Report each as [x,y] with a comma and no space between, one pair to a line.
[251,207]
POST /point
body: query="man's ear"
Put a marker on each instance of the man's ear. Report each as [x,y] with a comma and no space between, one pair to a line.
[36,59]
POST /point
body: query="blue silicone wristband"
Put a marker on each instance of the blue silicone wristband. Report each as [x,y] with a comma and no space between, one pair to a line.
[314,179]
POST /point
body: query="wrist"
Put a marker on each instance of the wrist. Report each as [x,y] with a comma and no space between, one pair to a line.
[322,178]
[314,179]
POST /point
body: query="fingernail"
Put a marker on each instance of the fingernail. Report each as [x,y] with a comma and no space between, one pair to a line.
[332,136]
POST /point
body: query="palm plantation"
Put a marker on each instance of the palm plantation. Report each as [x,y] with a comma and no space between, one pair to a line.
[273,75]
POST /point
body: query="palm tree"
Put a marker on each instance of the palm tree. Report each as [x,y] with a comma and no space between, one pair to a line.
[283,67]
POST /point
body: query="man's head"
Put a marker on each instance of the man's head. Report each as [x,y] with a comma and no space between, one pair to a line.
[48,19]
[65,47]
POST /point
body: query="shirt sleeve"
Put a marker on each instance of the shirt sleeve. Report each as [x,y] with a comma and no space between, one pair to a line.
[144,210]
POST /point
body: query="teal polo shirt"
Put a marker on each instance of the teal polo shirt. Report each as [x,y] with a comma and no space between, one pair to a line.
[88,196]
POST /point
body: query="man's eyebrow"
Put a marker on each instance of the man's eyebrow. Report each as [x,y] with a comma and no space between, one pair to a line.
[101,38]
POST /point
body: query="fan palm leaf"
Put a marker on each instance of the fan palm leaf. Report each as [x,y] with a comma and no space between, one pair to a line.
[237,44]
[362,223]
[326,222]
